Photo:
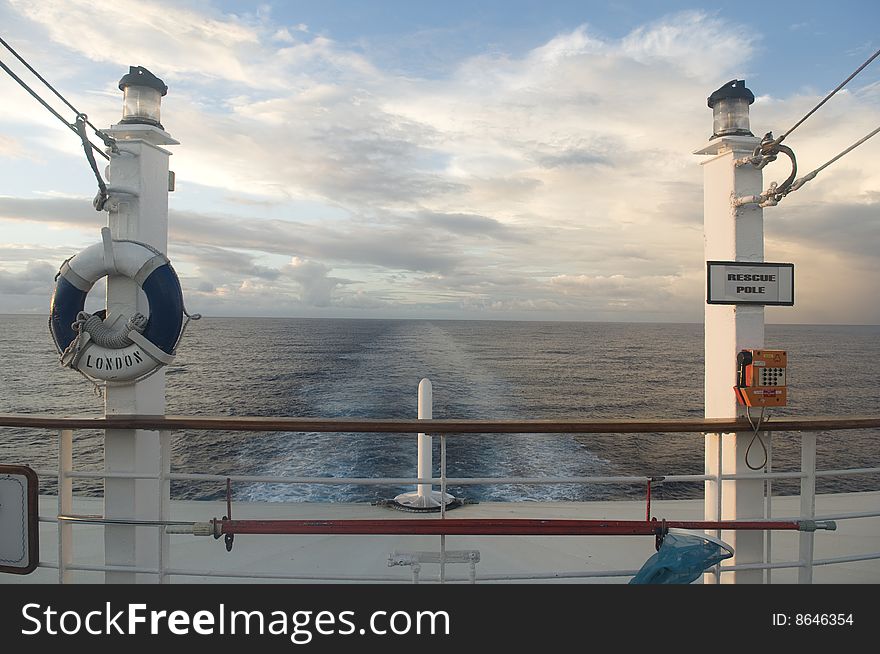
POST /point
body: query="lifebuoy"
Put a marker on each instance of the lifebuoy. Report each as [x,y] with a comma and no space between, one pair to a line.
[124,348]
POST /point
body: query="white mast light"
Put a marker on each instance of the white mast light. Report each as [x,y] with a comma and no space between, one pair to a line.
[142,97]
[730,109]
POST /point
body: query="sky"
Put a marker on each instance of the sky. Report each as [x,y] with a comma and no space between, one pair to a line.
[464,160]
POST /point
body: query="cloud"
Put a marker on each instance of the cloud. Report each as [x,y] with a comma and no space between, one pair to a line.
[851,230]
[177,39]
[560,180]
[698,45]
[35,279]
[12,148]
[396,245]
[316,287]
[210,260]
[470,225]
[59,211]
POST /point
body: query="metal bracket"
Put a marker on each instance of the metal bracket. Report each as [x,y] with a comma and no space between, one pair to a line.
[416,559]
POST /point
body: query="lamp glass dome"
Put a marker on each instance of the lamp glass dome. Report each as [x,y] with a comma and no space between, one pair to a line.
[730,109]
[142,96]
[730,117]
[141,104]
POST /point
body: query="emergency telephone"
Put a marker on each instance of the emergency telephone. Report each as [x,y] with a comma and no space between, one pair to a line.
[760,378]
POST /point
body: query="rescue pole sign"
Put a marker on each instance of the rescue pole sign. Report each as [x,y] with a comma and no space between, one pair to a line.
[737,282]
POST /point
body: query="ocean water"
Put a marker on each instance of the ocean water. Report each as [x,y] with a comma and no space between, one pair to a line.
[479,369]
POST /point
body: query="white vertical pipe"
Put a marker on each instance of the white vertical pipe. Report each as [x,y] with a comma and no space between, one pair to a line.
[65,504]
[808,505]
[426,412]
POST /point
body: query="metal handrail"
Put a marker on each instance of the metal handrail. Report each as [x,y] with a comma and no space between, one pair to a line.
[807,474]
[436,426]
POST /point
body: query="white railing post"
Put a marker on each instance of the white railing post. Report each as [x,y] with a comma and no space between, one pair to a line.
[65,504]
[808,505]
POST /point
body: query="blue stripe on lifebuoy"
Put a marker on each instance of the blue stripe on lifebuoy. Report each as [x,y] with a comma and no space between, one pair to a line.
[162,288]
[67,302]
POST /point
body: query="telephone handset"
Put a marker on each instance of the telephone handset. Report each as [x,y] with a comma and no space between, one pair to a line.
[760,377]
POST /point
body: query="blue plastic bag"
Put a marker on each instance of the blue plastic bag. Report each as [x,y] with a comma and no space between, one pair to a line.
[681,559]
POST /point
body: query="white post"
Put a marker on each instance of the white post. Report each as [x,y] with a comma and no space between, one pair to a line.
[732,234]
[426,412]
[425,498]
[138,185]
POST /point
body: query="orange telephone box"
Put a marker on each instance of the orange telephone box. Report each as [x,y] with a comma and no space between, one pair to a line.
[760,378]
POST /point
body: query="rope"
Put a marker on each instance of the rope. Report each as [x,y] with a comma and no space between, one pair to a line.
[101,198]
[106,336]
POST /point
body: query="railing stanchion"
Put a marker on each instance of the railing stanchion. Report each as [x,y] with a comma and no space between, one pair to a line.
[442,506]
[443,475]
[718,499]
[808,505]
[720,491]
[65,504]
[768,513]
[164,509]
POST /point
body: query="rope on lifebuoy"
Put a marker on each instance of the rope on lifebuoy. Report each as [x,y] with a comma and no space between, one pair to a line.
[106,336]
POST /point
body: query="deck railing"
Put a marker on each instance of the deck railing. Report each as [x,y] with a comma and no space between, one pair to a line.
[807,427]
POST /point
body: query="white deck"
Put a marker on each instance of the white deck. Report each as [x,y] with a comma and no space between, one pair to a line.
[365,558]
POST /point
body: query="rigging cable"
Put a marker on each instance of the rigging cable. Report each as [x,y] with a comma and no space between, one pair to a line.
[98,132]
[78,127]
[769,148]
[828,97]
[806,178]
[36,97]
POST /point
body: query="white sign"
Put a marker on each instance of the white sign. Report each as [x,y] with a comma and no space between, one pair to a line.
[735,282]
